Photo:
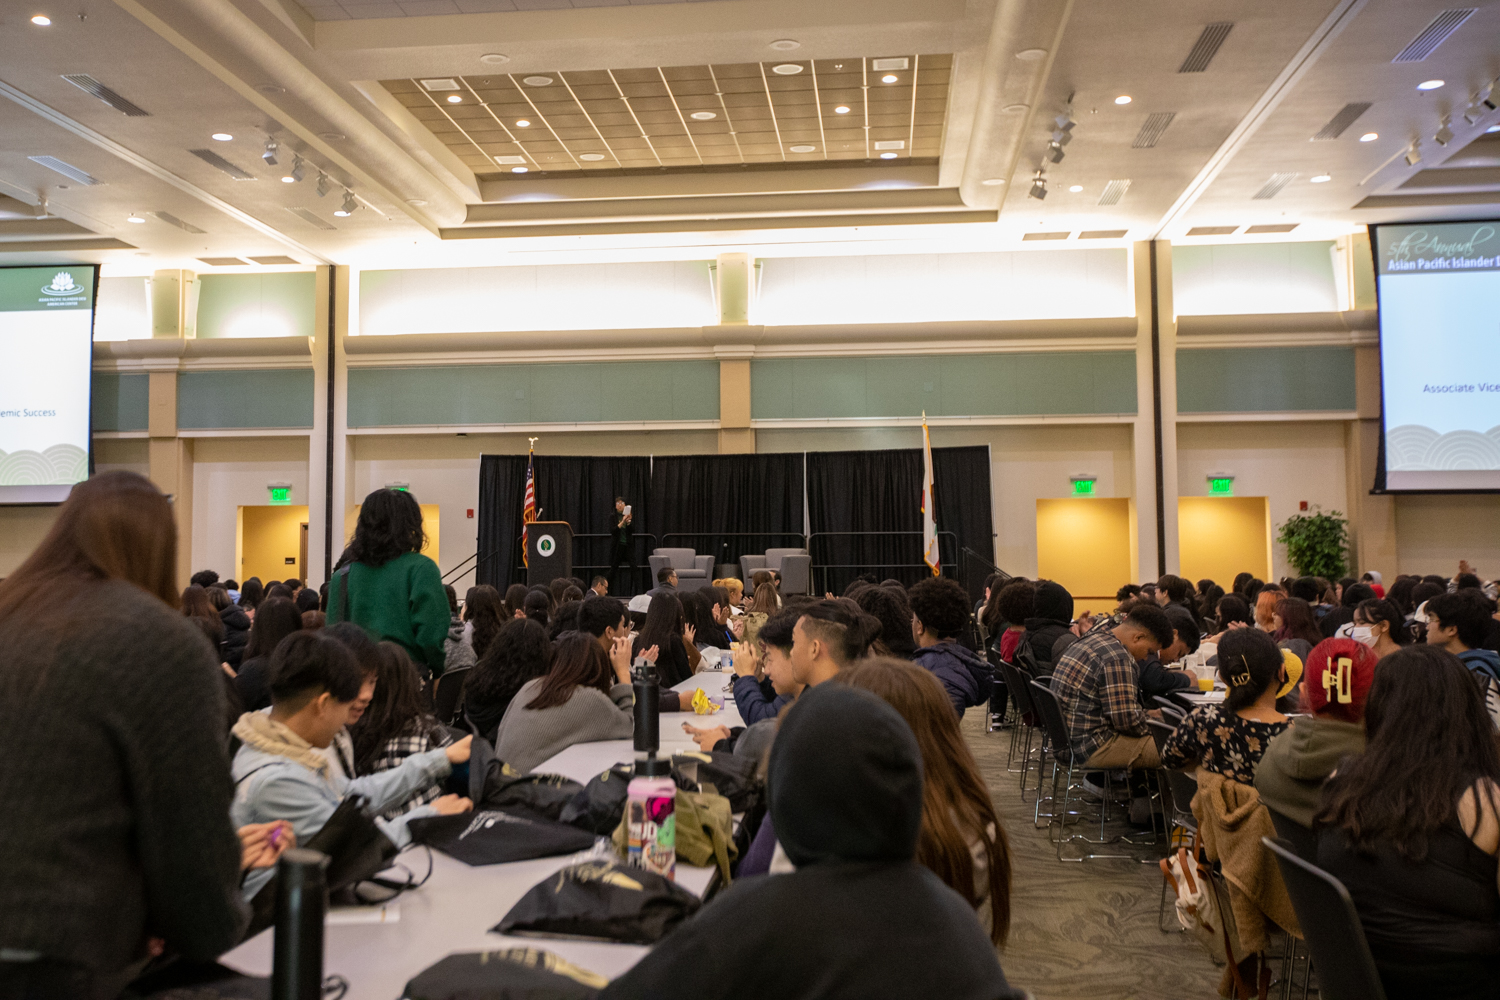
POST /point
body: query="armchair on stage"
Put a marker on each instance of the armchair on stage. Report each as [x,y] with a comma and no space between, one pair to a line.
[794,565]
[694,572]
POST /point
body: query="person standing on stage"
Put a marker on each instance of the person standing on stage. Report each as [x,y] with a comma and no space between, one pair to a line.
[622,548]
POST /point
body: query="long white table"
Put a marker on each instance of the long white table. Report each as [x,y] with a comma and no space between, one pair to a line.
[455,909]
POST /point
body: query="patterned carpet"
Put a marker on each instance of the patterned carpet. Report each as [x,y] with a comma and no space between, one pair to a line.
[1084,931]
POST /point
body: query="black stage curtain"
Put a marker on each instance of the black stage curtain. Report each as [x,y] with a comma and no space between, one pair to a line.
[578,489]
[728,505]
[878,491]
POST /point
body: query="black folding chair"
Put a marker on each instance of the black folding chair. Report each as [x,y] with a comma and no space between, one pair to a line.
[999,694]
[1015,684]
[1169,709]
[445,698]
[1330,925]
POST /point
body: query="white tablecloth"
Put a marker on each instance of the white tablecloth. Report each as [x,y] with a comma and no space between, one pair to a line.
[458,905]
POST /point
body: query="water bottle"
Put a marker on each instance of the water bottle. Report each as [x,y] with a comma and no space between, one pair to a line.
[301,903]
[650,806]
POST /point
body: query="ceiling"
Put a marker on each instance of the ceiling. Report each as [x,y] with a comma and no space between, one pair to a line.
[1248,121]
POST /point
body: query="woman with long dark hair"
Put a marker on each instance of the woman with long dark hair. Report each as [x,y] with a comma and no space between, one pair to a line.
[389,587]
[200,610]
[276,619]
[515,601]
[961,839]
[1379,625]
[520,653]
[481,604]
[677,657]
[396,725]
[1229,739]
[114,773]
[251,594]
[893,610]
[585,697]
[1412,826]
[1295,627]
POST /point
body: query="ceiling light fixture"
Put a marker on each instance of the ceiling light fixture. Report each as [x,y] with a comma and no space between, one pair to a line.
[347,208]
[1055,152]
[519,170]
[1492,128]
[455,98]
[523,123]
[270,154]
[888,78]
[887,156]
[1038,187]
[786,44]
[1321,178]
[704,116]
[41,20]
[591,157]
[1430,84]
[1075,188]
[1414,154]
[786,69]
[803,148]
[1444,134]
[1369,137]
[1123,99]
[842,109]
[1031,55]
[299,169]
[991,182]
[135,218]
[494,59]
[323,184]
[221,136]
[537,81]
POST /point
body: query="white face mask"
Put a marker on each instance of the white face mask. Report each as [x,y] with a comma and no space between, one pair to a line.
[1364,634]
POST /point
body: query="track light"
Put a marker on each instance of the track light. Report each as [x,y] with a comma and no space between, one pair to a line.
[323,184]
[299,169]
[1038,187]
[270,154]
[1444,134]
[1055,152]
[1065,121]
[1414,154]
[1061,138]
[348,207]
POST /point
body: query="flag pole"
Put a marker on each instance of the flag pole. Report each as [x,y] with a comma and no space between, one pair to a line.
[929,508]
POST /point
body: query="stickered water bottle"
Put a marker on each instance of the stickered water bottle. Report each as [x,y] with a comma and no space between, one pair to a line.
[651,823]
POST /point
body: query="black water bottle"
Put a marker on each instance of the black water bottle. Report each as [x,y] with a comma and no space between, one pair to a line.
[301,904]
[647,712]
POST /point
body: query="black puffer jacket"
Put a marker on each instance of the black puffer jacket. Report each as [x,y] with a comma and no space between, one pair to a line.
[236,634]
[1054,613]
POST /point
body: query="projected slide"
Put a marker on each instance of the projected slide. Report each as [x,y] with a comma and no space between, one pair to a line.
[46,348]
[1440,354]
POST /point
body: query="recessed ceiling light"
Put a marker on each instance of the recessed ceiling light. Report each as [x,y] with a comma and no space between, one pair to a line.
[786,69]
[1076,188]
[887,156]
[1123,99]
[222,136]
[1321,178]
[888,78]
[704,116]
[1430,84]
[537,81]
[41,21]
[418,202]
[288,179]
[990,182]
[523,123]
[842,109]
[803,148]
[134,218]
[786,44]
[494,59]
[1031,55]
[1369,137]
[455,99]
[519,170]
[591,157]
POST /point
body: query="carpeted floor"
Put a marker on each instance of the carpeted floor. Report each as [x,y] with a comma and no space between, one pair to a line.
[1084,931]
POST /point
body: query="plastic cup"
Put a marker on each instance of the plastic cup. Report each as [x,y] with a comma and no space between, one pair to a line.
[1205,684]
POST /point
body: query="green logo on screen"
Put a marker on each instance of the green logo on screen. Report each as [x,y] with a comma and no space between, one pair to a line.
[546,545]
[62,284]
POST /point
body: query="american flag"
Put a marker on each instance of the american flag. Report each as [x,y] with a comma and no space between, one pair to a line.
[528,509]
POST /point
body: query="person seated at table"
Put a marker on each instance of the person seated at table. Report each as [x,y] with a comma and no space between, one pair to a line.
[827,637]
[584,697]
[763,605]
[1295,627]
[1380,625]
[275,619]
[1054,615]
[1229,739]
[609,622]
[1153,677]
[666,582]
[859,916]
[939,613]
[1411,827]
[734,589]
[891,607]
[677,656]
[769,654]
[396,725]
[1098,689]
[1230,612]
[1296,763]
[962,840]
[520,653]
[340,751]
[280,771]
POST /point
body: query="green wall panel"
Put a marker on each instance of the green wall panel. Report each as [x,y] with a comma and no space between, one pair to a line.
[120,401]
[943,385]
[279,304]
[534,393]
[253,398]
[1264,379]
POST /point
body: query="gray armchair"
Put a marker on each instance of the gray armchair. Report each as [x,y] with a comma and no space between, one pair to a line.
[794,565]
[694,572]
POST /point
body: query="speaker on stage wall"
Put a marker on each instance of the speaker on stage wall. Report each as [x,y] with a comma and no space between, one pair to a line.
[549,551]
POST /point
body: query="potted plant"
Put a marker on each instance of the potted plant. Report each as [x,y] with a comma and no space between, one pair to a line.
[1317,544]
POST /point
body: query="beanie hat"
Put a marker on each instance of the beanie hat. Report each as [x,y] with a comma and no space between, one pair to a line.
[1054,602]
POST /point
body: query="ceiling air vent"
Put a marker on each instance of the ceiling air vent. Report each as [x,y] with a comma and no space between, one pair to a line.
[222,261]
[1153,128]
[89,85]
[1272,187]
[891,144]
[1113,192]
[1102,234]
[1280,227]
[1435,34]
[886,65]
[311,219]
[65,168]
[1206,47]
[440,85]
[278,259]
[173,220]
[1043,236]
[1347,116]
[1211,230]
[219,163]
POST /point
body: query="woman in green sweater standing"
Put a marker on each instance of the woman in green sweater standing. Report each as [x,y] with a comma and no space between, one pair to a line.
[393,591]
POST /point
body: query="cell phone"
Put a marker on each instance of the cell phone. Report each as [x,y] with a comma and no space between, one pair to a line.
[627,510]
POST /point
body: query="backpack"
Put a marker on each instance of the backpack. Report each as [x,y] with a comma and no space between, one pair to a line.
[1203,911]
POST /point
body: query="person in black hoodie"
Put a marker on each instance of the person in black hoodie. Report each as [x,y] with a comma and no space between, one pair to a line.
[939,612]
[859,918]
[236,633]
[1054,614]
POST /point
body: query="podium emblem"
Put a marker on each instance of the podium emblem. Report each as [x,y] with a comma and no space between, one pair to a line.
[546,545]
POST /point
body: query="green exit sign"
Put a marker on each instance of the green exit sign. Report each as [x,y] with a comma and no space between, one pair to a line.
[281,496]
[1083,487]
[1222,486]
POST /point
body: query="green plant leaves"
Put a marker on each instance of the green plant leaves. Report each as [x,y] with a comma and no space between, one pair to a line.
[1317,544]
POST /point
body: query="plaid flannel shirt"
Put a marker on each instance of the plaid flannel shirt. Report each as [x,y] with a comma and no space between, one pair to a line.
[397,749]
[1096,687]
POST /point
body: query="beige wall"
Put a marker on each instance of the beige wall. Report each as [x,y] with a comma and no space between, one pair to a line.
[21,528]
[1434,532]
[1286,462]
[229,473]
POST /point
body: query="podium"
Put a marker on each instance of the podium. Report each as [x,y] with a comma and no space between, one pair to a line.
[549,552]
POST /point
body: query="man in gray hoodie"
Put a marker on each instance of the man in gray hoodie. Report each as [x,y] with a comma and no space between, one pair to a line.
[281,772]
